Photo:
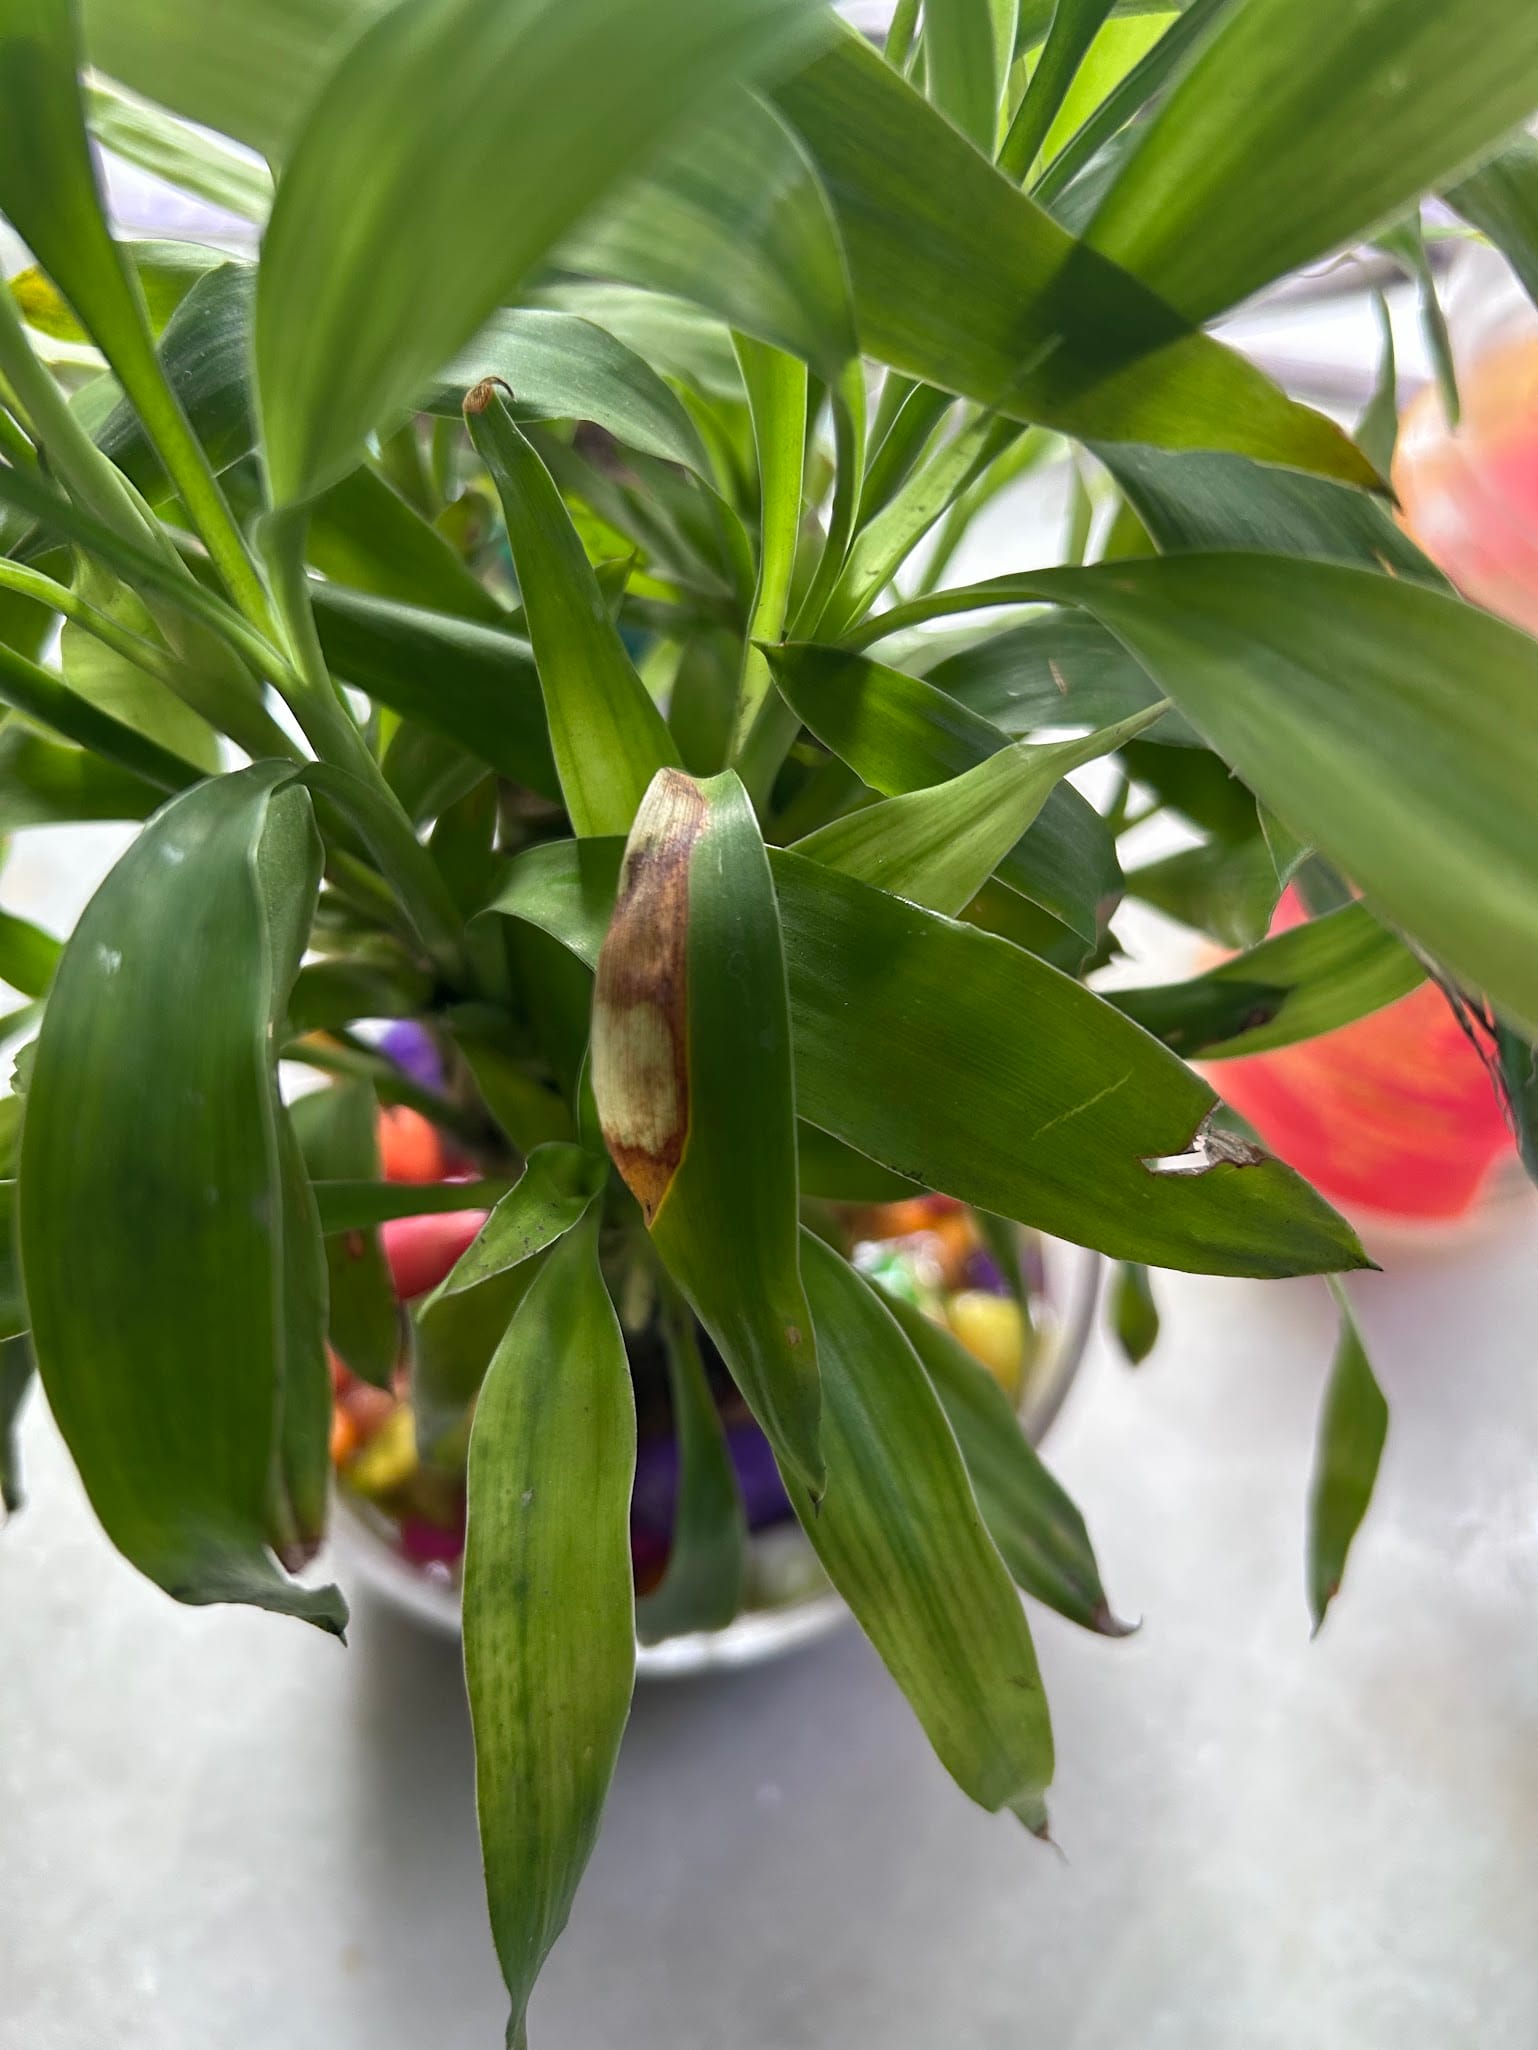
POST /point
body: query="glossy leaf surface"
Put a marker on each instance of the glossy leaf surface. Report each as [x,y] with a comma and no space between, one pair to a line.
[383,256]
[961,281]
[1307,980]
[899,733]
[1051,1102]
[177,1100]
[693,1077]
[1039,1532]
[607,736]
[1353,1427]
[902,1540]
[1348,114]
[549,1617]
[702,1583]
[1387,725]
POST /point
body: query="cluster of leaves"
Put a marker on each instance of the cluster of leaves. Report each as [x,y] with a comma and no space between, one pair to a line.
[561,731]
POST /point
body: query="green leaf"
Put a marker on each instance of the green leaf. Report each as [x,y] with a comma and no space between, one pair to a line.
[1195,501]
[48,192]
[337,1130]
[16,1373]
[351,1205]
[560,367]
[1227,889]
[1518,1060]
[247,71]
[549,1197]
[899,733]
[205,359]
[165,271]
[1075,24]
[470,683]
[963,282]
[976,1069]
[701,1586]
[38,694]
[383,256]
[1060,668]
[566,888]
[607,735]
[177,1100]
[1307,980]
[692,1074]
[964,67]
[734,218]
[834,1171]
[1133,91]
[28,955]
[776,385]
[1134,1313]
[13,1301]
[900,1536]
[1405,242]
[967,1065]
[1347,114]
[1388,726]
[549,1618]
[106,678]
[1040,1534]
[1500,199]
[189,158]
[1353,1426]
[937,847]
[45,784]
[1377,432]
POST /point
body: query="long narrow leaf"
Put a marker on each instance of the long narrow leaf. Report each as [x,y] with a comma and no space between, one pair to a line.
[1349,113]
[607,735]
[965,1064]
[549,1619]
[899,733]
[902,1540]
[176,1099]
[383,256]
[692,1073]
[1353,1428]
[1039,1532]
[961,281]
[1308,980]
[937,847]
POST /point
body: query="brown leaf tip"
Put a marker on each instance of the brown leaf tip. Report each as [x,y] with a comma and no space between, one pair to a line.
[641,1004]
[480,396]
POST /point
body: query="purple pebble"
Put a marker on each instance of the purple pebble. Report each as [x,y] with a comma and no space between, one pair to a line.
[414,1050]
[656,1482]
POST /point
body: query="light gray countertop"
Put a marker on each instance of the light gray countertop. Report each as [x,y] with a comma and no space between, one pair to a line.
[220,1831]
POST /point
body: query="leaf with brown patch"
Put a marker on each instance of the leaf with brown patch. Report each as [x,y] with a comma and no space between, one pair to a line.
[692,1071]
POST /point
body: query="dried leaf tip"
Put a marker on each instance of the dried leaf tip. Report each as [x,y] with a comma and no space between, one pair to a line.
[479,397]
[641,1004]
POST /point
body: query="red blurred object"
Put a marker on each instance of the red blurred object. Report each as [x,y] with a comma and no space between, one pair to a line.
[1394,1114]
[410,1149]
[421,1250]
[1470,495]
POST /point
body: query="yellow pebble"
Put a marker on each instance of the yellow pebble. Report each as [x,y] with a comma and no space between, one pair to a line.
[993,1331]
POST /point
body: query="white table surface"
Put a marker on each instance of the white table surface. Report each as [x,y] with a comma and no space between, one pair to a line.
[221,1831]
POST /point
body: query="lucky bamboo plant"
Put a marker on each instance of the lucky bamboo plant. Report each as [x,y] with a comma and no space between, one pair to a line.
[518,598]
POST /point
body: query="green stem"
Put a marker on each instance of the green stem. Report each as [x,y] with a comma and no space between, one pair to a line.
[80,464]
[15,443]
[38,694]
[57,597]
[1074,28]
[777,388]
[899,36]
[361,792]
